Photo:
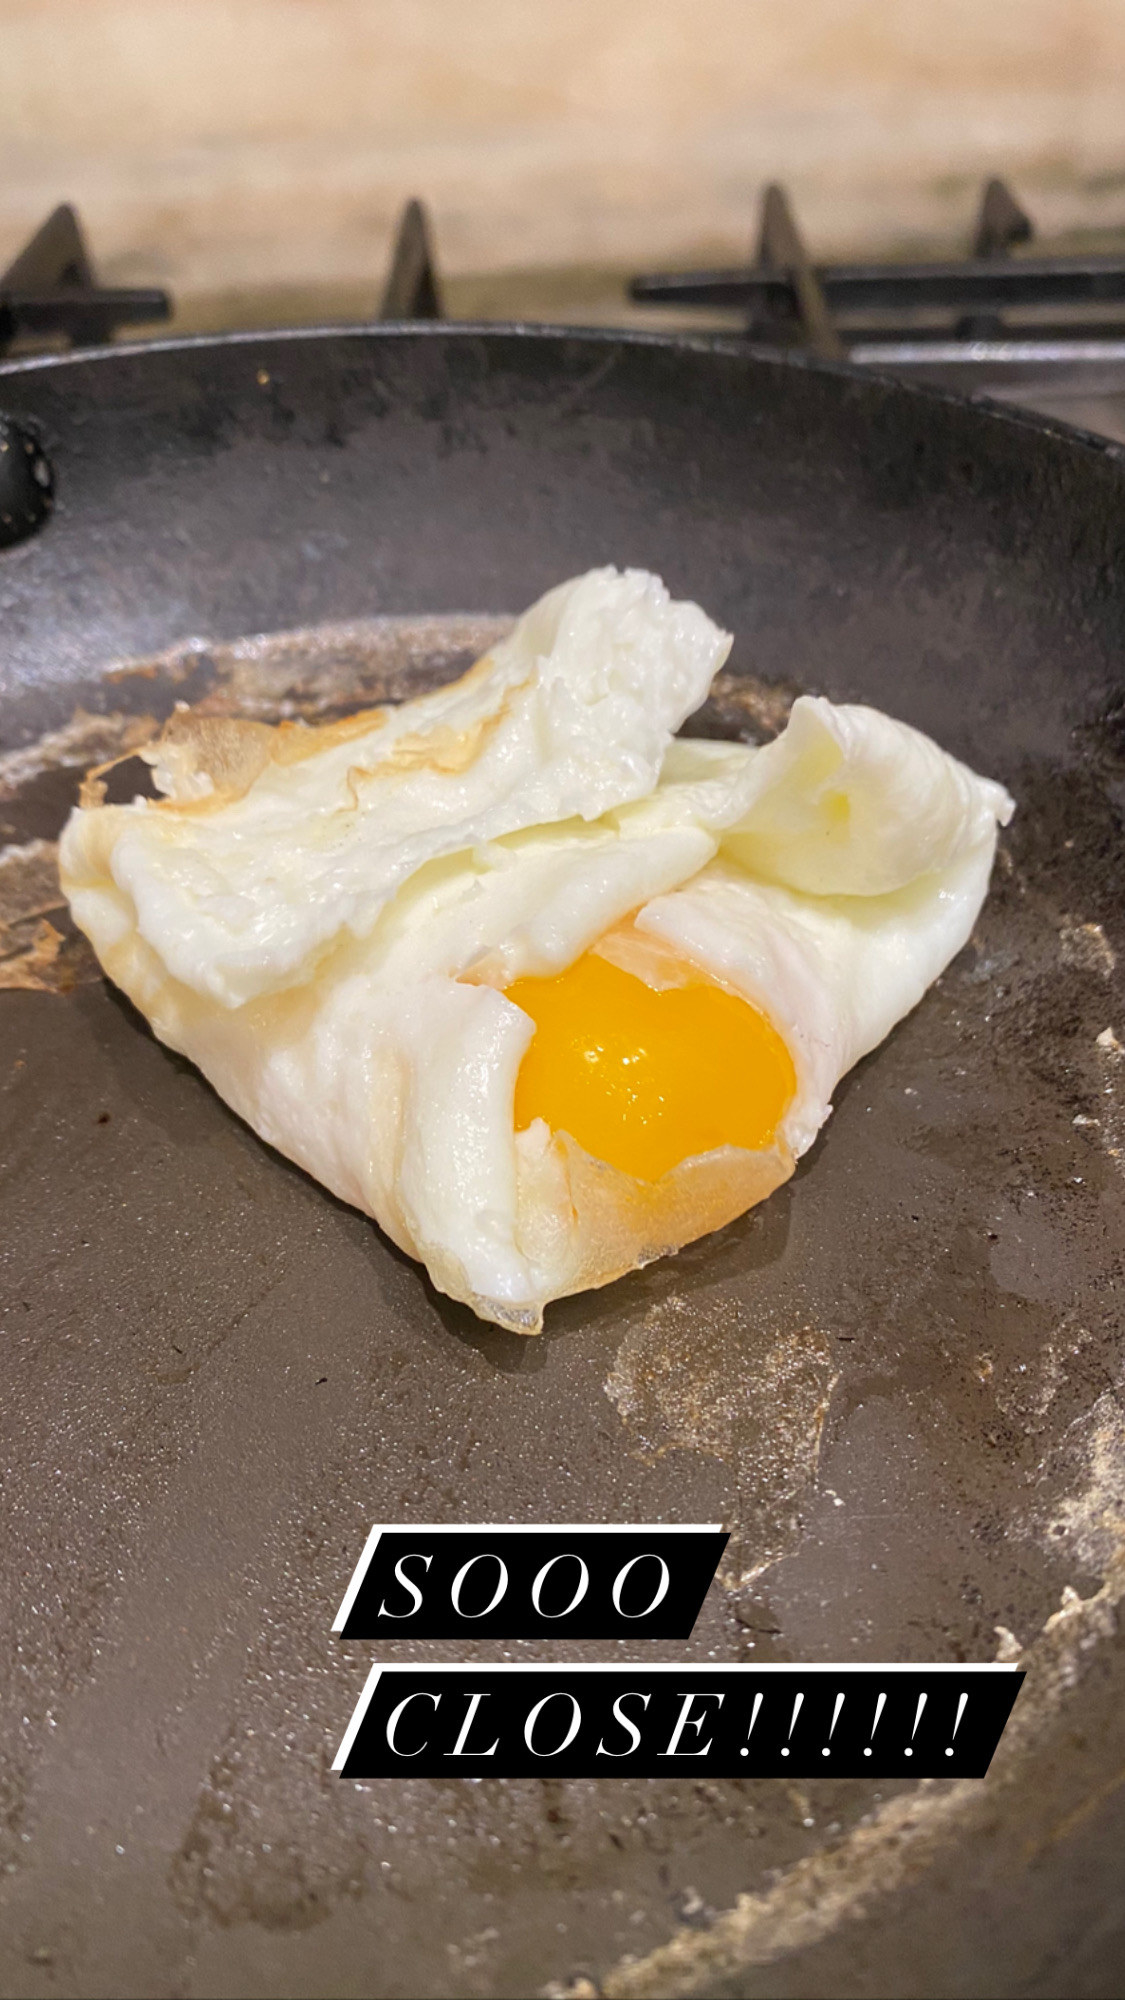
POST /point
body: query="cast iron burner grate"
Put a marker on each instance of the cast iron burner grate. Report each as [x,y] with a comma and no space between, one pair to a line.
[51,291]
[899,315]
[412,290]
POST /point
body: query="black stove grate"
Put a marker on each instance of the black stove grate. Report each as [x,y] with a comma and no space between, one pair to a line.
[50,291]
[884,312]
[412,290]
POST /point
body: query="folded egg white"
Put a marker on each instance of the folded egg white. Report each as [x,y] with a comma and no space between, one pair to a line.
[328,921]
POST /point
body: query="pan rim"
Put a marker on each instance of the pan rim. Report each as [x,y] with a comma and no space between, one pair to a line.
[725,345]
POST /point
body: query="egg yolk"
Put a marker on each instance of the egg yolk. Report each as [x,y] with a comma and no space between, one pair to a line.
[642,1078]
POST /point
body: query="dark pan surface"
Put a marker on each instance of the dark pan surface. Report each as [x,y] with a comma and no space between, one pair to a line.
[898,1382]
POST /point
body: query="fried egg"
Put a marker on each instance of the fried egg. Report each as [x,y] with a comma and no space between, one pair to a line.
[543,988]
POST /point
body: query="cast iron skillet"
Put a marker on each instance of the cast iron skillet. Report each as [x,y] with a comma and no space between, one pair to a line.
[897,1381]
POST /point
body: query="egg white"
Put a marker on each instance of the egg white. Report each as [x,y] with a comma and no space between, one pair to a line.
[325,921]
[287,838]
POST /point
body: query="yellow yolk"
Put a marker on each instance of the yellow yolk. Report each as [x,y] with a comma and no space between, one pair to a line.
[645,1079]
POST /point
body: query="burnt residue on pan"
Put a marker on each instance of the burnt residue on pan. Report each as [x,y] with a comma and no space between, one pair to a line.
[313,674]
[692,1379]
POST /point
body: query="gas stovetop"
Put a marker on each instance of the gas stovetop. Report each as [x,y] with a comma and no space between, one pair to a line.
[1008,320]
